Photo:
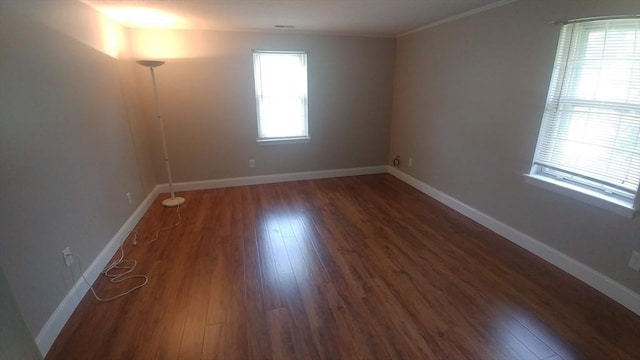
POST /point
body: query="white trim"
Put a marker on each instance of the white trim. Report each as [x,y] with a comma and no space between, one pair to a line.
[65,309]
[609,287]
[279,141]
[268,179]
[457,17]
[600,282]
[582,194]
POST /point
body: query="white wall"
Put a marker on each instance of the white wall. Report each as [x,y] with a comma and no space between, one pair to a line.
[77,122]
[16,341]
[67,154]
[468,102]
[207,95]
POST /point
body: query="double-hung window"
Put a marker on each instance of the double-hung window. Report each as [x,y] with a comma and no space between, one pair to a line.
[281,95]
[589,141]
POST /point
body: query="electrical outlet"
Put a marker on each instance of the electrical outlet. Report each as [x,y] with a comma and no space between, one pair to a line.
[252,163]
[68,258]
[410,162]
[396,160]
[129,198]
[634,262]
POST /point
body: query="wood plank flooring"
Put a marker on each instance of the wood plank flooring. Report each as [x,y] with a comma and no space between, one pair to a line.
[349,268]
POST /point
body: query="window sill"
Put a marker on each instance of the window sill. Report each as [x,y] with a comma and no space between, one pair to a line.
[291,140]
[590,197]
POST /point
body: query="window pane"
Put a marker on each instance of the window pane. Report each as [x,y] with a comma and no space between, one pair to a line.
[590,134]
[280,117]
[281,94]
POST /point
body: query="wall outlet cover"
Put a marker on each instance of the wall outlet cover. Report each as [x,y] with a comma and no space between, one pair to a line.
[634,262]
[68,258]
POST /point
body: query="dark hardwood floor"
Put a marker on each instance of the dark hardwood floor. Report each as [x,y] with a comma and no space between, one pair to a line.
[349,268]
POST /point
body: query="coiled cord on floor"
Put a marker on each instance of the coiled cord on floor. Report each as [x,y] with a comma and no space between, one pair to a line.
[120,263]
[127,266]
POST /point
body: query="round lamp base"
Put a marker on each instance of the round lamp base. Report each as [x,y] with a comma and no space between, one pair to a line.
[173,202]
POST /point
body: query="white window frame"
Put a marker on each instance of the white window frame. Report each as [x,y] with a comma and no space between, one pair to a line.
[578,186]
[300,137]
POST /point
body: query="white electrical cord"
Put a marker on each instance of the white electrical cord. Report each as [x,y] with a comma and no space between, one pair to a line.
[155,236]
[121,263]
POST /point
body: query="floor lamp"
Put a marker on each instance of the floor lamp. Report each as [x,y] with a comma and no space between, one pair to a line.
[174,200]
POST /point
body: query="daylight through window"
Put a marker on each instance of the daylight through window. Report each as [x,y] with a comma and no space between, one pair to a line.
[590,135]
[281,95]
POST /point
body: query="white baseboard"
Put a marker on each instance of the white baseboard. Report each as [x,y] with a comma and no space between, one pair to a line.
[63,312]
[268,179]
[599,281]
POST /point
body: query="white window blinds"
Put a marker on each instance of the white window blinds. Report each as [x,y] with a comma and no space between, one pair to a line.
[590,134]
[281,94]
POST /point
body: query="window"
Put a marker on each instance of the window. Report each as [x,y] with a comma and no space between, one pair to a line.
[589,142]
[281,95]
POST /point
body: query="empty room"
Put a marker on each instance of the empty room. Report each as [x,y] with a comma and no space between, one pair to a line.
[306,179]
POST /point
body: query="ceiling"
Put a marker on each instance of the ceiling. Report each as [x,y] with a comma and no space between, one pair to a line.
[347,17]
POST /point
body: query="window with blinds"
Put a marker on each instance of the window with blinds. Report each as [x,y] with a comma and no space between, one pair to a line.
[590,134]
[281,95]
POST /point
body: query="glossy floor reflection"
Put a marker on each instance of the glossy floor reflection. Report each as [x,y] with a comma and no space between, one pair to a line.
[351,268]
[521,335]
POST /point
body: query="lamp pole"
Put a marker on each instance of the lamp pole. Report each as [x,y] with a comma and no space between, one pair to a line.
[174,200]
